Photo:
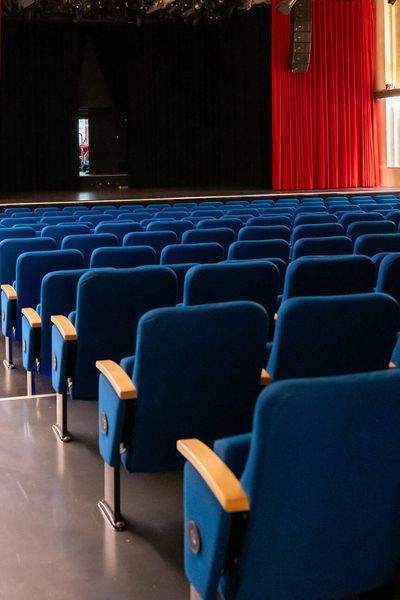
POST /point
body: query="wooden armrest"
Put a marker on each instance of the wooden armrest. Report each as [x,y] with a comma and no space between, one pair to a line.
[9,291]
[33,317]
[222,482]
[265,378]
[392,365]
[120,381]
[65,327]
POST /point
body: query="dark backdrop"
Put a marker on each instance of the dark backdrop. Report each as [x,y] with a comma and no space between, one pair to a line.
[195,101]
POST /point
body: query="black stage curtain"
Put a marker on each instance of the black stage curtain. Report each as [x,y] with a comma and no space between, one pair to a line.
[39,106]
[196,99]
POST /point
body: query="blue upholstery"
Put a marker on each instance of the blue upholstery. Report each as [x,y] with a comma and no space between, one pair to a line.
[118,229]
[232,223]
[350,218]
[257,281]
[270,220]
[322,246]
[123,258]
[314,219]
[373,243]
[356,229]
[210,252]
[95,219]
[37,227]
[31,267]
[135,216]
[57,297]
[329,275]
[156,239]
[271,232]
[248,249]
[11,249]
[11,221]
[110,303]
[87,243]
[17,211]
[322,480]
[205,213]
[333,335]
[202,392]
[222,235]
[178,227]
[7,233]
[388,280]
[60,218]
[394,216]
[59,232]
[172,214]
[180,270]
[317,230]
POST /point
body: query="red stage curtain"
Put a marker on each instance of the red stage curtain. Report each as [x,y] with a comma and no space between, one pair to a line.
[323,121]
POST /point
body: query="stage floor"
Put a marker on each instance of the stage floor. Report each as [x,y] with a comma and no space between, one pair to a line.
[171,194]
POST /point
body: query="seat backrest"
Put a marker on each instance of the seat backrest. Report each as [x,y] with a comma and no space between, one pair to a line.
[60,218]
[269,221]
[334,443]
[7,233]
[334,335]
[110,303]
[203,392]
[123,258]
[57,297]
[208,212]
[156,239]
[329,275]
[256,281]
[59,232]
[11,249]
[222,235]
[269,232]
[317,230]
[373,243]
[32,267]
[172,214]
[233,223]
[16,220]
[350,218]
[356,229]
[210,252]
[118,229]
[178,227]
[326,246]
[314,219]
[248,249]
[95,219]
[86,243]
[388,280]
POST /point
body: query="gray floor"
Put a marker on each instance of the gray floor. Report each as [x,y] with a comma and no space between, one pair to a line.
[54,542]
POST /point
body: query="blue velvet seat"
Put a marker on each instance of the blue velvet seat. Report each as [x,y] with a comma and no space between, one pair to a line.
[334,335]
[57,297]
[109,305]
[394,216]
[372,243]
[388,280]
[312,511]
[354,230]
[86,243]
[177,215]
[60,218]
[317,230]
[40,210]
[18,210]
[11,221]
[207,213]
[267,221]
[329,275]
[135,216]
[231,223]
[314,219]
[221,235]
[59,232]
[325,246]
[248,249]
[196,372]
[350,218]
[11,248]
[257,281]
[156,239]
[210,252]
[178,227]
[7,233]
[271,232]
[120,229]
[95,219]
[123,258]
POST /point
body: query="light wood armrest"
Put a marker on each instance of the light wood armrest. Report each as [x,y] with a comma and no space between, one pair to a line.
[65,327]
[9,291]
[118,379]
[265,378]
[33,317]
[222,482]
[392,365]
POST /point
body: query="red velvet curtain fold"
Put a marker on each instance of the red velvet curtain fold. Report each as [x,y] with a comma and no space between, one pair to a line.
[323,121]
